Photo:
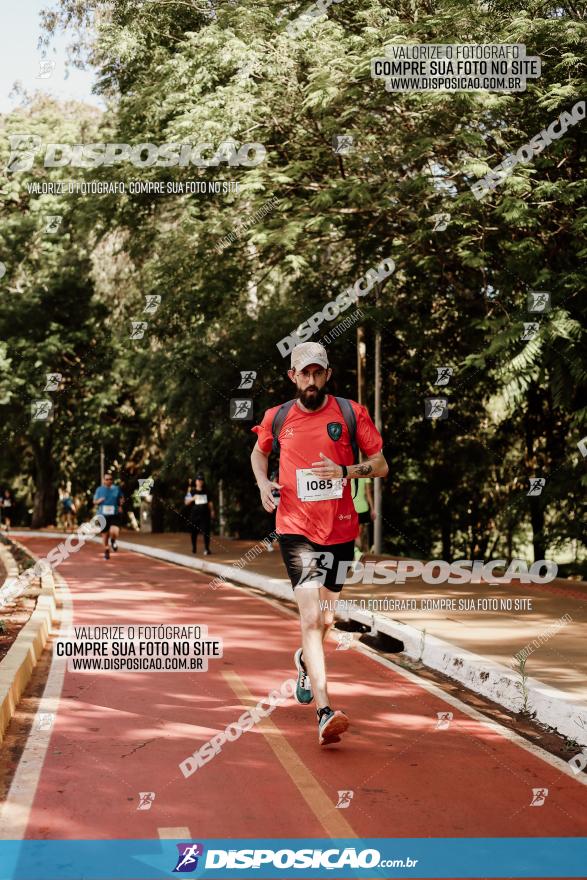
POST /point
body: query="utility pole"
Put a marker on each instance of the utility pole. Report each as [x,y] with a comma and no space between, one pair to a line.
[377,525]
[221,517]
[361,364]
[101,462]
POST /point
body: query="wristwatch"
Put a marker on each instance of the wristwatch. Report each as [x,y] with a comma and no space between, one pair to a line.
[344,471]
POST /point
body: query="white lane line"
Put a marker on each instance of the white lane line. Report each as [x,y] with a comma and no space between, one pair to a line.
[182,832]
[15,810]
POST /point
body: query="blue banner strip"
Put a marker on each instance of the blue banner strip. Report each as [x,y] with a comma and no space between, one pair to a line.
[414,857]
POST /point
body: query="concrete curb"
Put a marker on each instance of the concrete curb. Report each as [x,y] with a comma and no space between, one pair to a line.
[489,679]
[7,560]
[504,686]
[17,666]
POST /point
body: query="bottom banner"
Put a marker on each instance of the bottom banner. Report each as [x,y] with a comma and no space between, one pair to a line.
[387,857]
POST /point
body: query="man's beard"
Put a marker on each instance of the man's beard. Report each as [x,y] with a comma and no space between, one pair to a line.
[312,397]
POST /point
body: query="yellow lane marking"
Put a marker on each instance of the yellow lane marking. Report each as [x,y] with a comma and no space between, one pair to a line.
[321,805]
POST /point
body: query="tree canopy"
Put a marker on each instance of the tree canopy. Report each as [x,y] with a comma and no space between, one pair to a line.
[234,277]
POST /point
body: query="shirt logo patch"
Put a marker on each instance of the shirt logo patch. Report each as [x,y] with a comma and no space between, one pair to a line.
[334,430]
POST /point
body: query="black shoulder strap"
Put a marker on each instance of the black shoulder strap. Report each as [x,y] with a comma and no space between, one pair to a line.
[277,424]
[348,415]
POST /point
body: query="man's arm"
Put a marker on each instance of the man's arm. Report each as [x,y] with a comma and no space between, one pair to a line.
[375,466]
[260,463]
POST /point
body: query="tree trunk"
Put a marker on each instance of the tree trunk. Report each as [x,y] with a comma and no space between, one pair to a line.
[45,499]
[537,520]
[533,464]
[445,530]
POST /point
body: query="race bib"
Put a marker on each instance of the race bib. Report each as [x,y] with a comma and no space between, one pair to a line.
[313,488]
[200,499]
[108,509]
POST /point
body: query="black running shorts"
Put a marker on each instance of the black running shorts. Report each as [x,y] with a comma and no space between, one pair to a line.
[111,520]
[307,561]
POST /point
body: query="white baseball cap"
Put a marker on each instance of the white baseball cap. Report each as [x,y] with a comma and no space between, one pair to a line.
[308,353]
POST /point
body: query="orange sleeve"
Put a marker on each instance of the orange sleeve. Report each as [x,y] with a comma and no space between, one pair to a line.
[263,431]
[368,437]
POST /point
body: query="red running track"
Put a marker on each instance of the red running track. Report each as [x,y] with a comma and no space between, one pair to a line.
[120,733]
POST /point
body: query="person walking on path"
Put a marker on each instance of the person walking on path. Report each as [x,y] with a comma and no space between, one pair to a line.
[6,504]
[201,513]
[318,437]
[68,508]
[109,499]
[365,507]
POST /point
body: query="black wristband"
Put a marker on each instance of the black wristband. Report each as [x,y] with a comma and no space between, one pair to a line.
[344,471]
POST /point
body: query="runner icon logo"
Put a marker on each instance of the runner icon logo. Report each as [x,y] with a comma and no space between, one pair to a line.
[436,408]
[45,721]
[345,640]
[315,568]
[444,719]
[247,379]
[344,799]
[342,144]
[53,381]
[443,375]
[530,330]
[41,410]
[539,795]
[537,484]
[146,799]
[187,859]
[539,301]
[241,409]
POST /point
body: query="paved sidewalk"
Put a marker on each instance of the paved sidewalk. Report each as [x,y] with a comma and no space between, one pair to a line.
[561,662]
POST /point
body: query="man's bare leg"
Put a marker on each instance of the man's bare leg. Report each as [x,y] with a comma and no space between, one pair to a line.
[328,598]
[313,631]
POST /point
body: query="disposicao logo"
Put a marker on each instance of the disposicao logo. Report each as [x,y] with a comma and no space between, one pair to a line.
[187,859]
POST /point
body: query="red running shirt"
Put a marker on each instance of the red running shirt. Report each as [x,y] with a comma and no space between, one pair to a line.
[303,436]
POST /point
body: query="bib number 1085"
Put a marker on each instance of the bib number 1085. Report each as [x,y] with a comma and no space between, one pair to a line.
[313,488]
[319,484]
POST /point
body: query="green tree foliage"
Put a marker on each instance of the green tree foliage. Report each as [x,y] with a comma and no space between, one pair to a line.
[215,71]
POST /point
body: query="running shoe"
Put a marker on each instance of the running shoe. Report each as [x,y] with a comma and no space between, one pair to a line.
[106,553]
[206,553]
[304,686]
[114,544]
[331,725]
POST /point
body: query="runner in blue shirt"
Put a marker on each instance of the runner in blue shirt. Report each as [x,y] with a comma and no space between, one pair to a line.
[109,499]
